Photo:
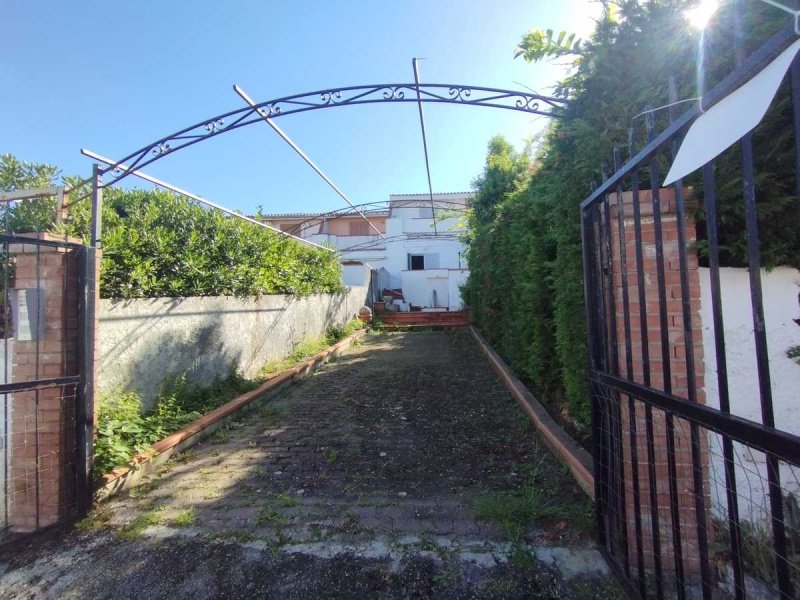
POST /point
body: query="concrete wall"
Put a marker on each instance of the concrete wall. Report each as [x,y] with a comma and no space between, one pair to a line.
[145,341]
[780,291]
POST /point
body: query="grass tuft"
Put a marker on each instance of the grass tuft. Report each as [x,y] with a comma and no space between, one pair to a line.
[514,511]
[185,518]
[135,529]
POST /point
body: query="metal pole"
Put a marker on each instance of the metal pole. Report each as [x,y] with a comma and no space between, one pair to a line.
[195,197]
[263,114]
[86,351]
[415,64]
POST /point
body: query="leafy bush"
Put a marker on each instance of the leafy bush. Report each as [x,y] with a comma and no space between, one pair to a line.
[123,431]
[158,244]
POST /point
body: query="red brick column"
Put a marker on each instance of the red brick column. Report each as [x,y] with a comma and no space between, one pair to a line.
[42,448]
[678,376]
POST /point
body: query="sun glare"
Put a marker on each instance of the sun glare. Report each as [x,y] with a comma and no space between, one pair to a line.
[700,15]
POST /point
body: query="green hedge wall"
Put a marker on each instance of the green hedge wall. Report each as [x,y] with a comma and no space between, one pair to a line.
[526,282]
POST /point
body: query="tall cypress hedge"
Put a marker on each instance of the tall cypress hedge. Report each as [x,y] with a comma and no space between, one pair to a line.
[526,281]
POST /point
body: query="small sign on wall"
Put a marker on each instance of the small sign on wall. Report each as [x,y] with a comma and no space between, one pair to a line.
[27,307]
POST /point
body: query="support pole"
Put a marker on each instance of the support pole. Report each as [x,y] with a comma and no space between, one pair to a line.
[263,114]
[415,64]
[85,402]
[195,197]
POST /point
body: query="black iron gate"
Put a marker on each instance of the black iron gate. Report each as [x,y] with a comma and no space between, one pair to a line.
[45,417]
[692,500]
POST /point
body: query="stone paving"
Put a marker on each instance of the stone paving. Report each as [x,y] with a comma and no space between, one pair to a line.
[361,481]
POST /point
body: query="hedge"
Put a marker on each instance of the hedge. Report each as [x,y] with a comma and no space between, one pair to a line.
[526,282]
[158,244]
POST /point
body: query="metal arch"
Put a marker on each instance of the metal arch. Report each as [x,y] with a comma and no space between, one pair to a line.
[345,96]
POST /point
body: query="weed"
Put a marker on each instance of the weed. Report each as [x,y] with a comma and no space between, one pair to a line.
[521,557]
[448,578]
[794,354]
[185,456]
[135,529]
[268,516]
[141,490]
[285,500]
[317,533]
[513,511]
[332,455]
[271,413]
[222,436]
[281,537]
[124,430]
[426,543]
[185,518]
[99,519]
[311,346]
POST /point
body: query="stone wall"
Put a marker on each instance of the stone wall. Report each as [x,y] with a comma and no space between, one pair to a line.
[144,342]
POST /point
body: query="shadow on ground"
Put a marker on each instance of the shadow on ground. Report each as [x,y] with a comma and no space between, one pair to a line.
[402,470]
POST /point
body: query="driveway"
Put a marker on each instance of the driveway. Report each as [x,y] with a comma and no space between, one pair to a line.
[402,470]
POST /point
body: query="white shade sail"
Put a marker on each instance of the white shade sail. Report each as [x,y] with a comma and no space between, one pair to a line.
[731,118]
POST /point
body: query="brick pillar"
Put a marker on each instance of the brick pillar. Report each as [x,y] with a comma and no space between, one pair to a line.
[678,377]
[42,427]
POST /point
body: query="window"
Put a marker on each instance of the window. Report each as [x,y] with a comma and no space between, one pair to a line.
[421,262]
[359,228]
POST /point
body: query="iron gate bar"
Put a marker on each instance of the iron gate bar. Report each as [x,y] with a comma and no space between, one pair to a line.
[36,391]
[587,249]
[762,357]
[691,380]
[38,384]
[21,239]
[783,445]
[710,204]
[795,83]
[520,101]
[617,479]
[666,365]
[629,374]
[644,338]
[748,69]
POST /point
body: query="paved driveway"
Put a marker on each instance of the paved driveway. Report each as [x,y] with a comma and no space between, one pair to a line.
[403,470]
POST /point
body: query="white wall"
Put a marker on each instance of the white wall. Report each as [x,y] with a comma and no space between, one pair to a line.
[397,255]
[145,341]
[457,279]
[780,292]
[418,287]
[355,275]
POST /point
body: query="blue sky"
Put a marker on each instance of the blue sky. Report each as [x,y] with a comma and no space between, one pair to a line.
[112,77]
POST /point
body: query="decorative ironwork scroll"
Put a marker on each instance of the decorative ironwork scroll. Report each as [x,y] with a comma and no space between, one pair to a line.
[520,101]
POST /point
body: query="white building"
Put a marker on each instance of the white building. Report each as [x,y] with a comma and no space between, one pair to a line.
[426,263]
